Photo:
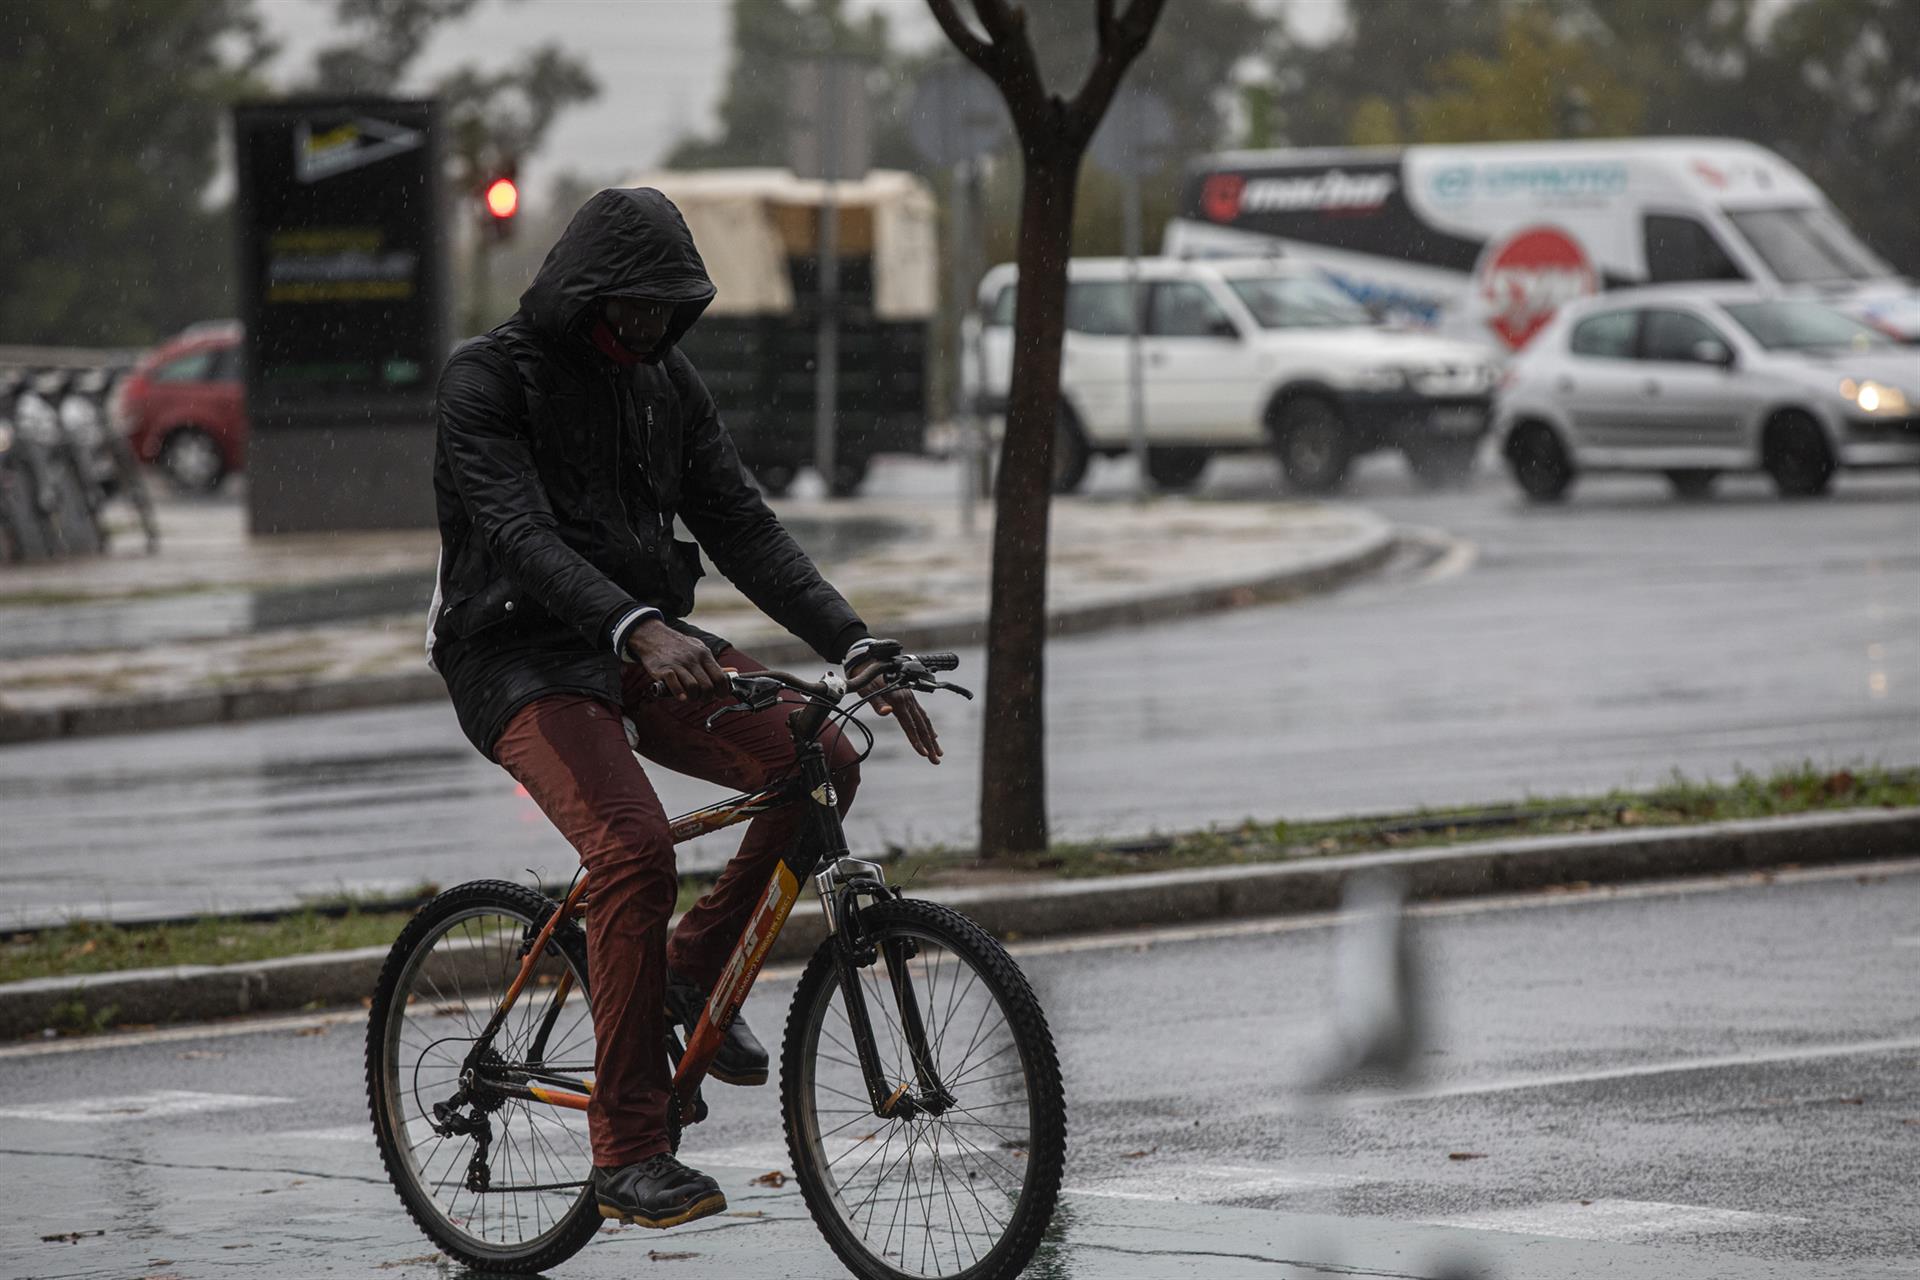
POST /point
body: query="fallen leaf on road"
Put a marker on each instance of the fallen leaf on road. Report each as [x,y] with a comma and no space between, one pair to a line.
[1141,1155]
[1466,1155]
[746,1213]
[656,1255]
[70,1237]
[1851,1102]
[194,1055]
[772,1178]
[320,1030]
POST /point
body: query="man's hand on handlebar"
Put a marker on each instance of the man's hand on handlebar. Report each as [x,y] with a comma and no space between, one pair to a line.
[685,667]
[901,705]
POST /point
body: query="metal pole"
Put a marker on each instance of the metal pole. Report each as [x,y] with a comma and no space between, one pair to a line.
[977,262]
[957,245]
[827,367]
[480,283]
[1136,389]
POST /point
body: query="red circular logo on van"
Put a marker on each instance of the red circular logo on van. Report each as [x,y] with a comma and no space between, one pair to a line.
[1220,197]
[1528,277]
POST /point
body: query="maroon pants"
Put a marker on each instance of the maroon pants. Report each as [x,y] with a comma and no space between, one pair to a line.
[570,752]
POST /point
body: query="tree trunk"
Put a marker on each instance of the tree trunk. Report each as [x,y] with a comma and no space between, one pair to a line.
[1013,793]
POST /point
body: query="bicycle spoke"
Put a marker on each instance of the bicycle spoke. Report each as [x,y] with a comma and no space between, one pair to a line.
[950,1179]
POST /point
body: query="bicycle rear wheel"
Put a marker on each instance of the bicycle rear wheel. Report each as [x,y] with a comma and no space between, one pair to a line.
[961,1190]
[504,1186]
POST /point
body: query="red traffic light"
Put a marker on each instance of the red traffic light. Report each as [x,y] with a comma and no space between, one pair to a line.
[503,198]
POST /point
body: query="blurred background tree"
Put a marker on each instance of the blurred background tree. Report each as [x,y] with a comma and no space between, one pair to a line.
[769,36]
[114,232]
[113,115]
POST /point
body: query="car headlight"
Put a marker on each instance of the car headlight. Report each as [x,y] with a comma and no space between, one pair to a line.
[1874,397]
[1384,377]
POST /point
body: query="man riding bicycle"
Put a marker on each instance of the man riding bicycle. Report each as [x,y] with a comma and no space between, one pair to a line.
[569,440]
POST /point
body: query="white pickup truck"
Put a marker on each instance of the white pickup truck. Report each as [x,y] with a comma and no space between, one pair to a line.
[1245,354]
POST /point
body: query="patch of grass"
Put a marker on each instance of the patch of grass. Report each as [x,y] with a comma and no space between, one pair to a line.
[91,947]
[86,947]
[1678,802]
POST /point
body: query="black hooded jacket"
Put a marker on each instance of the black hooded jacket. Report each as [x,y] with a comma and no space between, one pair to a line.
[558,474]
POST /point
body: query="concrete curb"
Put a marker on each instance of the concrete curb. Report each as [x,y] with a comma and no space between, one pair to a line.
[283,698]
[1063,907]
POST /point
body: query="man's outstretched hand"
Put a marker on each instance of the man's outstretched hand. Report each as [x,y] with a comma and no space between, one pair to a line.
[903,707]
[684,665]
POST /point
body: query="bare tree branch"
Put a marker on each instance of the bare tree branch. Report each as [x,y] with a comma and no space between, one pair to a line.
[1121,41]
[977,51]
[1007,56]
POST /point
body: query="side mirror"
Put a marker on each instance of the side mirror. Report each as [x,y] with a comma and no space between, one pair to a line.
[1709,351]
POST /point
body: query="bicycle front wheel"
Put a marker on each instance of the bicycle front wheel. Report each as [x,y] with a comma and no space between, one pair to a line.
[498,1182]
[963,1187]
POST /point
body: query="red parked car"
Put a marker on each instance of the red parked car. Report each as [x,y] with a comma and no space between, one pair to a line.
[184,406]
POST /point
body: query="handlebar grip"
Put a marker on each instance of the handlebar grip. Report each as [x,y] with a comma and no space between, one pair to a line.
[939,661]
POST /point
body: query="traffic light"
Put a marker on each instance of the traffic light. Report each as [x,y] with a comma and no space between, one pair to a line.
[500,202]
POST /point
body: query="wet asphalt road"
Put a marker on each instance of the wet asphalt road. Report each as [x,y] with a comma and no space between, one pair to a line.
[1714,1078]
[1598,644]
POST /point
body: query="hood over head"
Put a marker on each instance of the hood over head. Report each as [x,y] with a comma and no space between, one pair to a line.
[624,242]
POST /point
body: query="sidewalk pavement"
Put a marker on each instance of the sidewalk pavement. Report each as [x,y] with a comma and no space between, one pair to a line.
[910,569]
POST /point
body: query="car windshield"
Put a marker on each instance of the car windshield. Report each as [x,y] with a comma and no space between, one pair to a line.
[1805,326]
[1298,302]
[1807,245]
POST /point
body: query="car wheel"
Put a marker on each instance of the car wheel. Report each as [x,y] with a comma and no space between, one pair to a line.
[1540,463]
[1311,440]
[1796,454]
[1692,484]
[775,476]
[1176,469]
[1443,464]
[1070,453]
[192,460]
[848,475]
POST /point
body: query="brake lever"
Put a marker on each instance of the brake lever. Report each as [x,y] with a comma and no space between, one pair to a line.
[950,688]
[727,711]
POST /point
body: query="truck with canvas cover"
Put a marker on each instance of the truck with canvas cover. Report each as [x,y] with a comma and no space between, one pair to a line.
[758,232]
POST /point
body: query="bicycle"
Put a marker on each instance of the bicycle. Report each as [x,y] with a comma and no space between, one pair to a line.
[927,1140]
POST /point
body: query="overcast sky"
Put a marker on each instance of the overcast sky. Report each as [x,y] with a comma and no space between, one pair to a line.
[661,64]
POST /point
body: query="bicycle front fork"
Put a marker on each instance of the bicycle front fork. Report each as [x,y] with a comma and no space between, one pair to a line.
[841,884]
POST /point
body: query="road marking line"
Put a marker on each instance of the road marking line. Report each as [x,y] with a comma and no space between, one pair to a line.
[175,1035]
[136,1106]
[1723,1062]
[762,1157]
[340,1133]
[1615,1220]
[1216,1183]
[1115,940]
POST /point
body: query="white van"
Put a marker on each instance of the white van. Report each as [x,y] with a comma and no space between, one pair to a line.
[1485,240]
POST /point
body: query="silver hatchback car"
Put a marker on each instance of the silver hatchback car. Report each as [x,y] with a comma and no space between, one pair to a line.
[1694,381]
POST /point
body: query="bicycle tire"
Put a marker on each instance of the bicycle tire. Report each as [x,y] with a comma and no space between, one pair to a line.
[433,921]
[1044,1157]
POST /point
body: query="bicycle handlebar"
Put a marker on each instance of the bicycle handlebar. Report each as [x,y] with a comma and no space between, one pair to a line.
[757,690]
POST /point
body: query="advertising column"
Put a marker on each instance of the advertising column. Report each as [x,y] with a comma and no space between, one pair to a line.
[342,295]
